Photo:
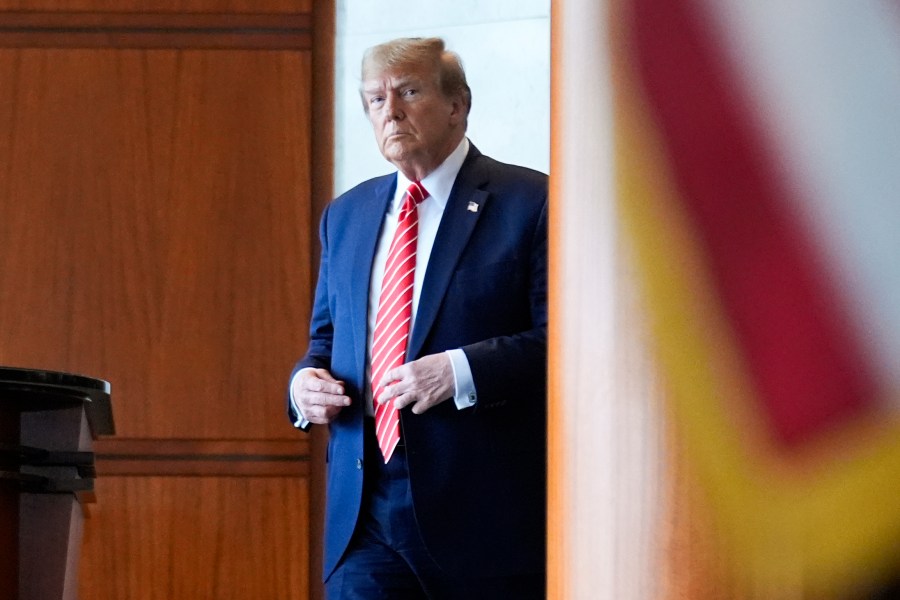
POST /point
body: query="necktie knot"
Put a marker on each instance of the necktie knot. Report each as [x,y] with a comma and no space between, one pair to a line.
[415,195]
[416,192]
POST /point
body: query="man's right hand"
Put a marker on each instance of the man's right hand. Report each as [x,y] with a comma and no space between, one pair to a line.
[318,395]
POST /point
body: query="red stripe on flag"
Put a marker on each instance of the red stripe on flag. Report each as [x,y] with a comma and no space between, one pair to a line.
[799,346]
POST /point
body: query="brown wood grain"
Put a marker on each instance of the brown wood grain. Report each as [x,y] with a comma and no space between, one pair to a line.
[235,458]
[168,6]
[33,29]
[196,538]
[157,232]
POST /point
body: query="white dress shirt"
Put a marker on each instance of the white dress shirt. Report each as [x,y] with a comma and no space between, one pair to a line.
[439,184]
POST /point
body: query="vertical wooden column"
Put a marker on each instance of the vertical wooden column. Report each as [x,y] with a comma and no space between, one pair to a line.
[605,430]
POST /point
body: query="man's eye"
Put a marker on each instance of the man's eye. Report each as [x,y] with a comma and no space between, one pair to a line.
[376,100]
[410,92]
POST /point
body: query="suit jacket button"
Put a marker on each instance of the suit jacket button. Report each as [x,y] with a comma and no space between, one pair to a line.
[359,464]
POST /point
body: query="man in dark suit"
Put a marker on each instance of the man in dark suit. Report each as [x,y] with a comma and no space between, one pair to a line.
[450,501]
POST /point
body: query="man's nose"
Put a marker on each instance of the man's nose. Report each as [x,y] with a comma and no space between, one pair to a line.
[392,108]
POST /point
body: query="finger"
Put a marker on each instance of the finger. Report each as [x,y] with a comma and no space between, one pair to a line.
[311,381]
[326,375]
[322,415]
[324,386]
[384,396]
[423,405]
[315,399]
[388,393]
[313,391]
[404,400]
[391,388]
[395,375]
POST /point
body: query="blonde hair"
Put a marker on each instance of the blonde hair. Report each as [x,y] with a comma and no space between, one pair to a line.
[446,65]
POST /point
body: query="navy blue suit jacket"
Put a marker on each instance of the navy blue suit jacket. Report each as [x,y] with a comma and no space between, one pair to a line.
[477,475]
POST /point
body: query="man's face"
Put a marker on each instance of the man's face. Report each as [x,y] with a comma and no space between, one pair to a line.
[415,125]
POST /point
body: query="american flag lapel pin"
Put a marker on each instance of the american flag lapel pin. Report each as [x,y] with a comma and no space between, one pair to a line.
[473,207]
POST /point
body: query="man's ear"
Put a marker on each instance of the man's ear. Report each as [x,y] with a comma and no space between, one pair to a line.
[457,110]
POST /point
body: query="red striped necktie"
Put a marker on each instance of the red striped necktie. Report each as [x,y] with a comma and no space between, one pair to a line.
[394,315]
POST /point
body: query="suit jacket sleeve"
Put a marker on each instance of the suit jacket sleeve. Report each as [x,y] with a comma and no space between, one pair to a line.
[508,368]
[318,354]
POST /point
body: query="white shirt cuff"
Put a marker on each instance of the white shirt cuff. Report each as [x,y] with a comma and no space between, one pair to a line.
[301,422]
[462,377]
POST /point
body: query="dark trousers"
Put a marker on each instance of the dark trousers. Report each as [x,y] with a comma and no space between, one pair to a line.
[387,558]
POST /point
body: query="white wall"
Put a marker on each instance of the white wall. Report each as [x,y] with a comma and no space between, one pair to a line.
[505,49]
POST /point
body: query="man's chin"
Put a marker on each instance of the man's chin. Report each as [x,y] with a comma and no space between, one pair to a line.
[395,153]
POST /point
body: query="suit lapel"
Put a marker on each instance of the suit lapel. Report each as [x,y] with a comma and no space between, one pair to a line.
[457,225]
[369,218]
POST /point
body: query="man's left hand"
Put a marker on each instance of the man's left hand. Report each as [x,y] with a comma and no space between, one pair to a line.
[424,383]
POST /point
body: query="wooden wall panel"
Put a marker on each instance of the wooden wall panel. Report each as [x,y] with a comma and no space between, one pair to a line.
[157,231]
[275,458]
[197,538]
[166,6]
[154,30]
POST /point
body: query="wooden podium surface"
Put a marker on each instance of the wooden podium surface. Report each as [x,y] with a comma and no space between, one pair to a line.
[48,420]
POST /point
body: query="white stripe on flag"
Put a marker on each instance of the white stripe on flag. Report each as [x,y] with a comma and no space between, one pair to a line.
[824,78]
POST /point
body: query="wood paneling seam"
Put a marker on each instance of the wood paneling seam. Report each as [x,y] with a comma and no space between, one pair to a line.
[155,30]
